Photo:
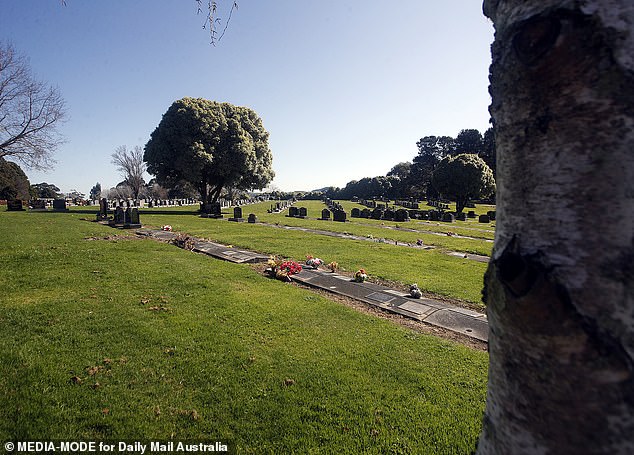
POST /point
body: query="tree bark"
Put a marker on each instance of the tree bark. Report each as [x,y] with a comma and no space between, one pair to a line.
[560,286]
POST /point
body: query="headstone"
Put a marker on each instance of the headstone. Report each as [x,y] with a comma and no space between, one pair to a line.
[461,216]
[377,214]
[471,214]
[119,217]
[103,210]
[14,205]
[388,215]
[339,215]
[366,213]
[447,217]
[491,214]
[484,219]
[132,218]
[252,218]
[303,213]
[293,211]
[401,215]
[237,215]
[325,214]
[59,205]
[355,213]
[211,210]
[38,204]
[433,215]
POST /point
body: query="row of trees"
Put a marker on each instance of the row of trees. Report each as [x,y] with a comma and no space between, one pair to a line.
[471,176]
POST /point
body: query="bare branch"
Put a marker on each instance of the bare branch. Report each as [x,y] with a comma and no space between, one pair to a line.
[131,165]
[30,113]
[212,21]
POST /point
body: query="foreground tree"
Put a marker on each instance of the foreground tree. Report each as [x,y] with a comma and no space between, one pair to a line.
[560,286]
[462,178]
[131,165]
[211,145]
[30,113]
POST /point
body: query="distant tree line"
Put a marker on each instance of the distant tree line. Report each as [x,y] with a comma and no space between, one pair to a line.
[415,179]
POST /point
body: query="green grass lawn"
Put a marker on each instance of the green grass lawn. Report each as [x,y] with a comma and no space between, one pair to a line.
[167,344]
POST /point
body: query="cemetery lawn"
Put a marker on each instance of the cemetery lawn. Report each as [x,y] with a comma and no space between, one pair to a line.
[105,336]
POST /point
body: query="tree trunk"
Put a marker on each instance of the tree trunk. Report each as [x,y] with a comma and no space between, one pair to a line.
[560,286]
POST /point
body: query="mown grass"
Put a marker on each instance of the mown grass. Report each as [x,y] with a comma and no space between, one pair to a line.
[166,344]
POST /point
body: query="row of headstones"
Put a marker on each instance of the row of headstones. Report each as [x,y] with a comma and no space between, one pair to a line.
[301,212]
[379,213]
[438,204]
[15,205]
[280,206]
[237,216]
[402,215]
[128,218]
[408,204]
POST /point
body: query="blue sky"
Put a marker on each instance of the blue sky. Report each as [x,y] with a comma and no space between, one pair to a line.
[345,88]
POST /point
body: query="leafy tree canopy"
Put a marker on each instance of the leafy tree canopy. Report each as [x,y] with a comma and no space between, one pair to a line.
[45,191]
[463,177]
[14,184]
[211,145]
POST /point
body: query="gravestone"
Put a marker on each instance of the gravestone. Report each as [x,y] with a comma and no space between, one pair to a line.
[59,205]
[303,213]
[447,217]
[14,205]
[339,215]
[461,216]
[434,215]
[119,217]
[293,211]
[237,215]
[132,220]
[38,204]
[377,213]
[325,215]
[471,214]
[103,210]
[423,215]
[211,210]
[401,215]
[252,218]
[484,219]
[491,214]
[388,215]
[355,213]
[366,213]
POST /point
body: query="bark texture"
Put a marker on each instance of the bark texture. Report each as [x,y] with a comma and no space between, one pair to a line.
[560,287]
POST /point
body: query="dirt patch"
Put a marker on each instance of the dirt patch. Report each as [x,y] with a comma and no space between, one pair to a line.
[412,324]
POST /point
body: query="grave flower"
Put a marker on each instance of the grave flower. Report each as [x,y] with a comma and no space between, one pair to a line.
[313,262]
[414,291]
[333,266]
[167,227]
[360,276]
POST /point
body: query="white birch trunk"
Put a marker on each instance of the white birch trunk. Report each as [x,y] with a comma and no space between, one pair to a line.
[560,287]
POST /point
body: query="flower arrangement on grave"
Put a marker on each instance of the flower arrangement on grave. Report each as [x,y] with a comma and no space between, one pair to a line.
[184,241]
[313,261]
[415,292]
[333,266]
[360,276]
[167,227]
[283,269]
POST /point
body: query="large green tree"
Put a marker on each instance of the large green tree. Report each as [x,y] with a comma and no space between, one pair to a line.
[13,181]
[212,145]
[45,191]
[463,177]
[431,149]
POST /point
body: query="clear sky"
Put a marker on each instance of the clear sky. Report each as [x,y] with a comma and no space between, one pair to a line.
[345,88]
